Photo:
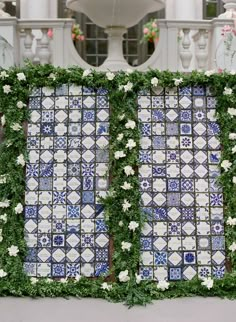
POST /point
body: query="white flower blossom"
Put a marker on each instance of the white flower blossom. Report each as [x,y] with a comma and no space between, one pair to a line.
[232,72]
[231,221]
[120,136]
[133,225]
[87,72]
[227,91]
[121,224]
[16,127]
[126,186]
[178,81]
[232,247]
[3,218]
[138,278]
[3,179]
[232,136]
[234,180]
[1,238]
[131,144]
[110,76]
[52,76]
[33,280]
[128,87]
[3,75]
[13,250]
[231,111]
[226,164]
[126,246]
[121,117]
[126,205]
[19,208]
[3,120]
[20,160]
[129,71]
[130,125]
[163,285]
[234,149]
[77,278]
[121,87]
[21,76]
[49,280]
[129,170]
[5,203]
[154,81]
[63,280]
[119,154]
[20,104]
[2,273]
[106,286]
[208,282]
[7,89]
[124,276]
[208,73]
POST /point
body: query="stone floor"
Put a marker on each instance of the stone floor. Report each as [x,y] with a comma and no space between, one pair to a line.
[87,310]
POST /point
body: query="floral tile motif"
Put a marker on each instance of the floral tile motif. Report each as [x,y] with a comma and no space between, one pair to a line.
[68,138]
[180,152]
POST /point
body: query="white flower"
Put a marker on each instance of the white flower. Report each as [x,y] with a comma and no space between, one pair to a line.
[2,273]
[20,160]
[16,127]
[130,124]
[120,136]
[208,282]
[4,218]
[128,87]
[3,75]
[129,71]
[126,186]
[8,143]
[232,111]
[20,104]
[126,205]
[154,81]
[18,208]
[234,149]
[178,81]
[131,144]
[106,286]
[208,73]
[231,221]
[227,91]
[163,285]
[133,225]
[63,280]
[3,178]
[6,89]
[232,247]
[110,76]
[3,120]
[5,203]
[128,170]
[226,164]
[87,72]
[121,117]
[126,246]
[121,87]
[33,280]
[232,136]
[21,76]
[123,276]
[77,278]
[138,278]
[52,76]
[1,238]
[119,154]
[121,224]
[234,180]
[13,250]
[49,280]
[233,72]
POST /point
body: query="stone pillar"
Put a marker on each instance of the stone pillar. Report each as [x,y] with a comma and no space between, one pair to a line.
[34,9]
[184,9]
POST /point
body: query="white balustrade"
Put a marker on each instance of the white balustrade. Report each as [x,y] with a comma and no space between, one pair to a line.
[185,53]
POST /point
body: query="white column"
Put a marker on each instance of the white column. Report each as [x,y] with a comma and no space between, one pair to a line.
[53,9]
[184,9]
[34,9]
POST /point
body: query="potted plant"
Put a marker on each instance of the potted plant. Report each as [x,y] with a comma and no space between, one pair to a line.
[151,32]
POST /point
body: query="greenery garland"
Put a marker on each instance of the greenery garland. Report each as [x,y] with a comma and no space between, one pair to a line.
[123,213]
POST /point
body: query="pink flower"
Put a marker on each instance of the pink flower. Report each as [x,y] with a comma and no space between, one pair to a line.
[50,33]
[145,31]
[73,36]
[154,25]
[153,33]
[220,71]
[82,37]
[78,37]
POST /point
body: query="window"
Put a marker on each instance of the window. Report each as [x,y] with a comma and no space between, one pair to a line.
[212,8]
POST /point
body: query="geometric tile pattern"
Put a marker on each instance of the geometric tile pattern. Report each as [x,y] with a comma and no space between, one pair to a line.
[179,156]
[67,143]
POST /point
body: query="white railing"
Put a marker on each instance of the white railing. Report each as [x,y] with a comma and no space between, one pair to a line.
[183,45]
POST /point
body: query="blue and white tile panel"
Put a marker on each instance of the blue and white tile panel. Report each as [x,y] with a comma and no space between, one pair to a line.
[68,157]
[184,236]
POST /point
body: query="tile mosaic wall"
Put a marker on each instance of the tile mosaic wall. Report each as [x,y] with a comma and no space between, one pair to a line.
[68,157]
[184,236]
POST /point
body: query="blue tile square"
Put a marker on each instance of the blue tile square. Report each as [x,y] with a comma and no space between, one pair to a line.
[58,270]
[173,185]
[175,273]
[160,258]
[88,197]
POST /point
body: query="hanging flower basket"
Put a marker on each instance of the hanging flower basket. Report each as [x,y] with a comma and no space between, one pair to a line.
[151,32]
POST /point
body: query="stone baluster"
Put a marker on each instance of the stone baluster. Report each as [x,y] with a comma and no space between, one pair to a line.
[44,51]
[201,53]
[185,53]
[28,53]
